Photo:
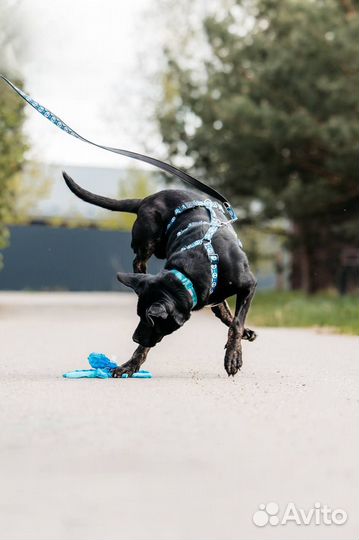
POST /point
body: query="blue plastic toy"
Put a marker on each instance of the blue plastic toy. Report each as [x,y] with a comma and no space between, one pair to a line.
[102,368]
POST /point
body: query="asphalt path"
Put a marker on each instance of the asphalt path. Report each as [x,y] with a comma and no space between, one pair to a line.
[187,455]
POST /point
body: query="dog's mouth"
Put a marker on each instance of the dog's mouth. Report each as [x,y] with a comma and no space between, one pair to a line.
[146,341]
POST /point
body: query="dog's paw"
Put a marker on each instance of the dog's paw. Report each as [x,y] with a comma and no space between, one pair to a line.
[117,373]
[249,334]
[126,369]
[233,359]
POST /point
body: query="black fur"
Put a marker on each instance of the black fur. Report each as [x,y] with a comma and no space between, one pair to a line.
[164,305]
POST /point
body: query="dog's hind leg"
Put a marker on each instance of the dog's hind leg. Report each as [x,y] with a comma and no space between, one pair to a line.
[233,357]
[134,364]
[223,312]
[144,239]
[140,265]
[143,253]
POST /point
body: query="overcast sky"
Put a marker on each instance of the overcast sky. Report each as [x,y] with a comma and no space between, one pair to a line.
[81,57]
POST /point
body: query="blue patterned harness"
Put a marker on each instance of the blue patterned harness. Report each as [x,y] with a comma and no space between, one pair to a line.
[206,240]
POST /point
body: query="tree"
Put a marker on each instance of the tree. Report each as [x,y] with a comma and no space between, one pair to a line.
[12,116]
[269,117]
[28,188]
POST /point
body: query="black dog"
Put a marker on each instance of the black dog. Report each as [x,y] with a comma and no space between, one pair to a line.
[165,301]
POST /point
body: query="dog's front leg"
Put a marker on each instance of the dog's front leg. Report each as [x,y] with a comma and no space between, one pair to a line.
[233,357]
[134,364]
[223,312]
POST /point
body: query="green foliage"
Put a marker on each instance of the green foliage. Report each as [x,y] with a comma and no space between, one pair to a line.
[12,140]
[12,149]
[28,188]
[270,116]
[294,309]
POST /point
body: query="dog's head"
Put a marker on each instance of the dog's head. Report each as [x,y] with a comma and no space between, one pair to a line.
[163,305]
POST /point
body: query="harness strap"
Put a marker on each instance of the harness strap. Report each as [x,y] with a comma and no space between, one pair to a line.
[134,155]
[206,240]
[188,206]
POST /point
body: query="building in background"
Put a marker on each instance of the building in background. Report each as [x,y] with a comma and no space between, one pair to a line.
[58,201]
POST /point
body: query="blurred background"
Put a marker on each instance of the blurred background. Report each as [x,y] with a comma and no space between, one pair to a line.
[255,97]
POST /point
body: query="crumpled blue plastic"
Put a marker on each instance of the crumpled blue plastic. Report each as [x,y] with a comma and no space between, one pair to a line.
[102,368]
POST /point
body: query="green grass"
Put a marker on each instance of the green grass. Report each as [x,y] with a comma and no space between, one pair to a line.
[295,309]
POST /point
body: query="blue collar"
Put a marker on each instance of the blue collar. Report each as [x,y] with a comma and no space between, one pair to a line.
[187,283]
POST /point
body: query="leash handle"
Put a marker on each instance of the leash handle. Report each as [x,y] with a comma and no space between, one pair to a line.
[134,155]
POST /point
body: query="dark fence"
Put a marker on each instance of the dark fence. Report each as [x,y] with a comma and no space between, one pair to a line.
[49,258]
[42,258]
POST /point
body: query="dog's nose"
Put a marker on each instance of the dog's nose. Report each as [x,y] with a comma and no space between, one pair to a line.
[145,341]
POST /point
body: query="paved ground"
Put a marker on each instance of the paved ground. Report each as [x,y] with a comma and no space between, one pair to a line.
[188,455]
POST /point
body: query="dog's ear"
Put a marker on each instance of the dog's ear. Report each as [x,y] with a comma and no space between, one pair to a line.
[134,281]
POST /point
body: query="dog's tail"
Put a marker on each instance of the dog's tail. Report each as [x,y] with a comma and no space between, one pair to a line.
[126,205]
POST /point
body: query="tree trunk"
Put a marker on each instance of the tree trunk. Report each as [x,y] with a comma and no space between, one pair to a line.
[299,274]
[316,258]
